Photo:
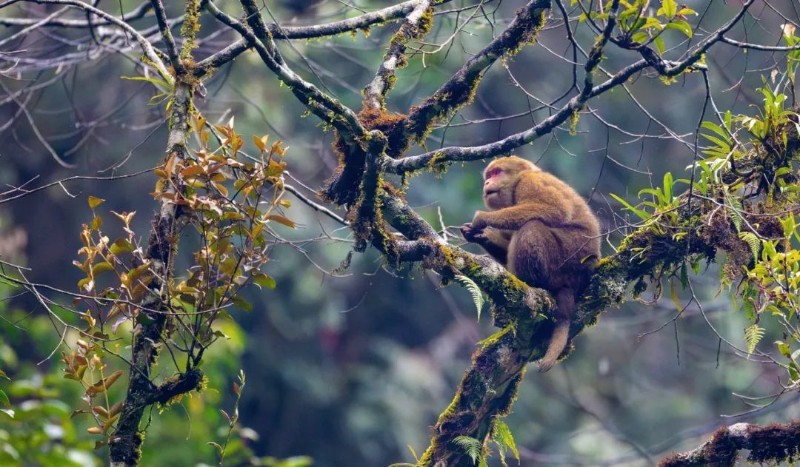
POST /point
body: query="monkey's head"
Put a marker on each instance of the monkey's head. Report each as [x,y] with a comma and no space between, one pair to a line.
[500,179]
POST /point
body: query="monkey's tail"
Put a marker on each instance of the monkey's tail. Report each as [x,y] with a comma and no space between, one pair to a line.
[565,300]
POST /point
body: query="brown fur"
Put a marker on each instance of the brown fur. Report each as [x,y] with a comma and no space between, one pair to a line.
[543,232]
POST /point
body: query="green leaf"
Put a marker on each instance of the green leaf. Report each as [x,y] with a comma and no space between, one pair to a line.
[121,245]
[242,303]
[673,293]
[784,349]
[682,26]
[101,267]
[659,42]
[735,211]
[503,437]
[668,8]
[668,187]
[793,373]
[263,280]
[95,201]
[281,220]
[644,215]
[641,37]
[474,290]
[684,276]
[5,405]
[753,241]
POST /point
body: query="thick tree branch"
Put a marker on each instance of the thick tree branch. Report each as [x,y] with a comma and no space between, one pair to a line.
[126,441]
[774,443]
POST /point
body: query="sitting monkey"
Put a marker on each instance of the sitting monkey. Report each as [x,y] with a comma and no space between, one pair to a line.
[543,232]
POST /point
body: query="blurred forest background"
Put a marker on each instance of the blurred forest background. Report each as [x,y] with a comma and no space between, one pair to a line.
[351,367]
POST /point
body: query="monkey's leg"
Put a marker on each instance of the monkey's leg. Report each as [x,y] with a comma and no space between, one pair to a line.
[565,300]
[494,241]
[496,244]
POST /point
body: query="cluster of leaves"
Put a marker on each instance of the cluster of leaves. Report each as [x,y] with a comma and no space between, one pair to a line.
[762,145]
[640,26]
[501,437]
[479,451]
[227,203]
[230,206]
[773,287]
[747,170]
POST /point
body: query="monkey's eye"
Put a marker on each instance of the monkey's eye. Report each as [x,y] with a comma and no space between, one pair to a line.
[493,173]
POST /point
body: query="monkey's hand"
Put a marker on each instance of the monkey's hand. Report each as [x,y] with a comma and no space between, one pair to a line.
[479,222]
[472,234]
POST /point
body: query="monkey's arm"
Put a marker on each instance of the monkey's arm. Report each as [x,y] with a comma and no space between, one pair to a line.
[514,217]
[492,240]
[537,195]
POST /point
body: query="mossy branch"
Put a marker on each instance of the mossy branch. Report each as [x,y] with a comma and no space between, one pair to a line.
[258,36]
[771,444]
[351,25]
[418,124]
[148,334]
[696,232]
[459,90]
[416,24]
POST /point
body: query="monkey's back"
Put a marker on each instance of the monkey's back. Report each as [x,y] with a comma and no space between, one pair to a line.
[558,248]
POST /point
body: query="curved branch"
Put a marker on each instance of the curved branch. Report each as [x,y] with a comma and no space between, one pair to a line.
[166,33]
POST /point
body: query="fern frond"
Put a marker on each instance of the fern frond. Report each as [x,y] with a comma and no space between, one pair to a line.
[752,336]
[471,446]
[474,290]
[735,210]
[755,243]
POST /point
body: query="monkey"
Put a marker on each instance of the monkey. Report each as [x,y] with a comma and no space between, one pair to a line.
[543,232]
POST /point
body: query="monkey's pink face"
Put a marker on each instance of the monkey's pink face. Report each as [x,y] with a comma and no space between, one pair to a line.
[496,188]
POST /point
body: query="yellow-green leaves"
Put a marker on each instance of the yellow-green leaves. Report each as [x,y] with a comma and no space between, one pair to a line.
[95,201]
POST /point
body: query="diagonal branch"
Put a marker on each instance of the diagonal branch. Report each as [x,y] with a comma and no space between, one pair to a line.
[166,33]
[416,24]
[258,36]
[460,88]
